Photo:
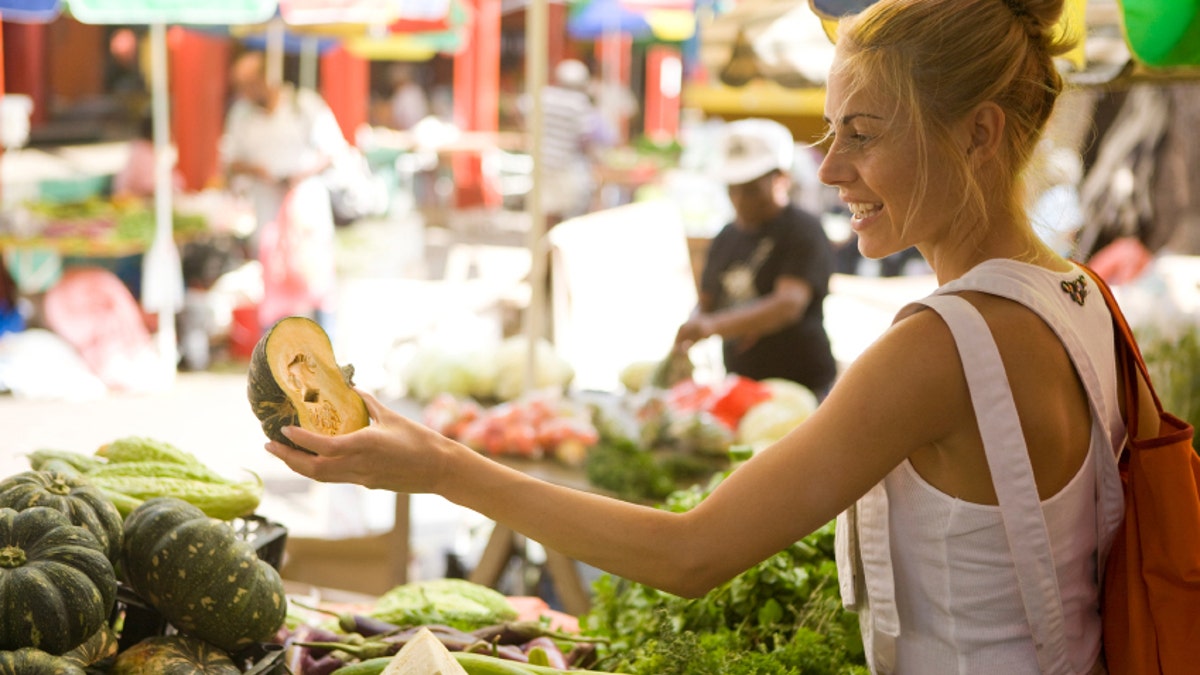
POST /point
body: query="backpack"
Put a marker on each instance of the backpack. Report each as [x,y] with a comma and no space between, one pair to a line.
[1150,601]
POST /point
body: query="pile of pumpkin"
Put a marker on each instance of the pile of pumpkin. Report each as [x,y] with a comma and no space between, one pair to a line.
[65,550]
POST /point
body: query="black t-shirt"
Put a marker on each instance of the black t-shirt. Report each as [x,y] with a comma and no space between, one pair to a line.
[743,266]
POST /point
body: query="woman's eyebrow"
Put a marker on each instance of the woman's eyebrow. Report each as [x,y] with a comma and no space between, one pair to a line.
[847,119]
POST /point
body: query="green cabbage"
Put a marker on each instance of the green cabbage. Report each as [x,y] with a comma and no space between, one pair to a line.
[772,419]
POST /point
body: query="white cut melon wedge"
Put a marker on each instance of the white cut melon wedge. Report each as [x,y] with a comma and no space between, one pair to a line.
[424,655]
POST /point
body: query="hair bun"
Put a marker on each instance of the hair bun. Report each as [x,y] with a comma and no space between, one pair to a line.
[1038,16]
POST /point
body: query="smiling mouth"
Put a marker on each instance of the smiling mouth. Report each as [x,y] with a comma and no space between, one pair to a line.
[863,210]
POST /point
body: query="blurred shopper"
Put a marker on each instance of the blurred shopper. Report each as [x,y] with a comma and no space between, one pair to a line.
[137,179]
[569,125]
[408,103]
[278,141]
[767,273]
[123,77]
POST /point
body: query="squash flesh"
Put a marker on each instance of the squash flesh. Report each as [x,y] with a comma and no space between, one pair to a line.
[294,380]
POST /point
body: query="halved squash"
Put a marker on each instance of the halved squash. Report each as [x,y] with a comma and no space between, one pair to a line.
[295,381]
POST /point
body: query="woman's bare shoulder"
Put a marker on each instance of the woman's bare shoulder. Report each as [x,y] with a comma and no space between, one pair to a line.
[908,384]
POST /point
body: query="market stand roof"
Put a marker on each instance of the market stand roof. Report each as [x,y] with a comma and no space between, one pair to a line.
[171,11]
[29,11]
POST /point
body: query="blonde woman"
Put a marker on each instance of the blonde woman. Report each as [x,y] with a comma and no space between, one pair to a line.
[968,451]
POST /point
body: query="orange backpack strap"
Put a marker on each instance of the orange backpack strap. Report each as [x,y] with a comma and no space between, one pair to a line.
[1130,361]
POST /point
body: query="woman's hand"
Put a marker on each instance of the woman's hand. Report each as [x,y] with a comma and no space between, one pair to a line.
[393,453]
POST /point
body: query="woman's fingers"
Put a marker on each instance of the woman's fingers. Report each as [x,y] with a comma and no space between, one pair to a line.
[306,439]
[374,408]
[297,460]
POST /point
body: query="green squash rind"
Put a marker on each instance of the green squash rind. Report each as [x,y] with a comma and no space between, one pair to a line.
[84,504]
[174,655]
[269,402]
[30,661]
[102,645]
[204,580]
[65,589]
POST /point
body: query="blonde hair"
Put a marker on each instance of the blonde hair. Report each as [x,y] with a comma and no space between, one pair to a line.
[939,59]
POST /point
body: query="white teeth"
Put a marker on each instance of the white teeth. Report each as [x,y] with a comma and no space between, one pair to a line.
[862,210]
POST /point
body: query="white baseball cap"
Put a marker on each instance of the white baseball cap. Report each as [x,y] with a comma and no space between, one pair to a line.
[571,73]
[753,148]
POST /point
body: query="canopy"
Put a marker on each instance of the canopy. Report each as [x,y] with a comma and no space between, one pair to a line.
[172,11]
[302,12]
[404,30]
[29,11]
[666,20]
[596,17]
[417,34]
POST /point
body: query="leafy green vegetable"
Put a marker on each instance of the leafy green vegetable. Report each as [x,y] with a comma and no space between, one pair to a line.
[453,602]
[1174,366]
[783,615]
[629,472]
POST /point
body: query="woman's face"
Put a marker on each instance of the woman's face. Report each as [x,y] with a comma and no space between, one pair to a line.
[873,163]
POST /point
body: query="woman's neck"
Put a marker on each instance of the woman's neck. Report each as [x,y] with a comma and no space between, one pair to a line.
[1018,242]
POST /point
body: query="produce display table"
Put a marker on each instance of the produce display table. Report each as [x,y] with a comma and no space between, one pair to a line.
[380,561]
[504,542]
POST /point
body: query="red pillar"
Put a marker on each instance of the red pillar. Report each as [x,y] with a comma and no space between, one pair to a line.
[556,23]
[664,80]
[345,85]
[199,75]
[25,67]
[1,94]
[487,82]
[1,62]
[467,176]
[476,99]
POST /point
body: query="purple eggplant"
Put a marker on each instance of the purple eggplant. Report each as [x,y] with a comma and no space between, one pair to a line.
[550,654]
[323,666]
[350,622]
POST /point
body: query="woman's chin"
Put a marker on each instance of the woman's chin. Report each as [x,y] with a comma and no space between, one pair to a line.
[874,251]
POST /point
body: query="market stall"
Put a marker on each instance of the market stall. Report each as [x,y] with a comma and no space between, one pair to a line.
[134,486]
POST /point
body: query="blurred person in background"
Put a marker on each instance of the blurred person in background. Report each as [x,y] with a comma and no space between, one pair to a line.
[137,179]
[408,103]
[278,141]
[570,124]
[767,273]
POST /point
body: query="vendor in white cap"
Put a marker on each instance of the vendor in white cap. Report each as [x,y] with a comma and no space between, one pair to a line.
[767,272]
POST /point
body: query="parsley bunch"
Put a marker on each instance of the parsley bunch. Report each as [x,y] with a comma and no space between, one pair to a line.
[783,615]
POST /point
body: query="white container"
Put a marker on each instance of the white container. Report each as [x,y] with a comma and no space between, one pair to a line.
[15,110]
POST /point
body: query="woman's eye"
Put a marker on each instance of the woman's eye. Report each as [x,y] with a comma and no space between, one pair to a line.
[852,141]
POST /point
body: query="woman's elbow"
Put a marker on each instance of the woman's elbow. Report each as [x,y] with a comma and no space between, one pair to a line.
[693,579]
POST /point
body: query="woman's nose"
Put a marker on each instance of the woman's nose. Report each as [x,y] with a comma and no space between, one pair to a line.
[833,169]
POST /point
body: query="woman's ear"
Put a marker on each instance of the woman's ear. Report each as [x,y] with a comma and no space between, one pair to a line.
[986,129]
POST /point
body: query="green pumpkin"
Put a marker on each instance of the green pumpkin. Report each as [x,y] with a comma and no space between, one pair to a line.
[57,588]
[84,504]
[295,381]
[200,576]
[174,655]
[30,661]
[102,645]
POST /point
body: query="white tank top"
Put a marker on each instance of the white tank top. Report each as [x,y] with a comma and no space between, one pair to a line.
[941,592]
